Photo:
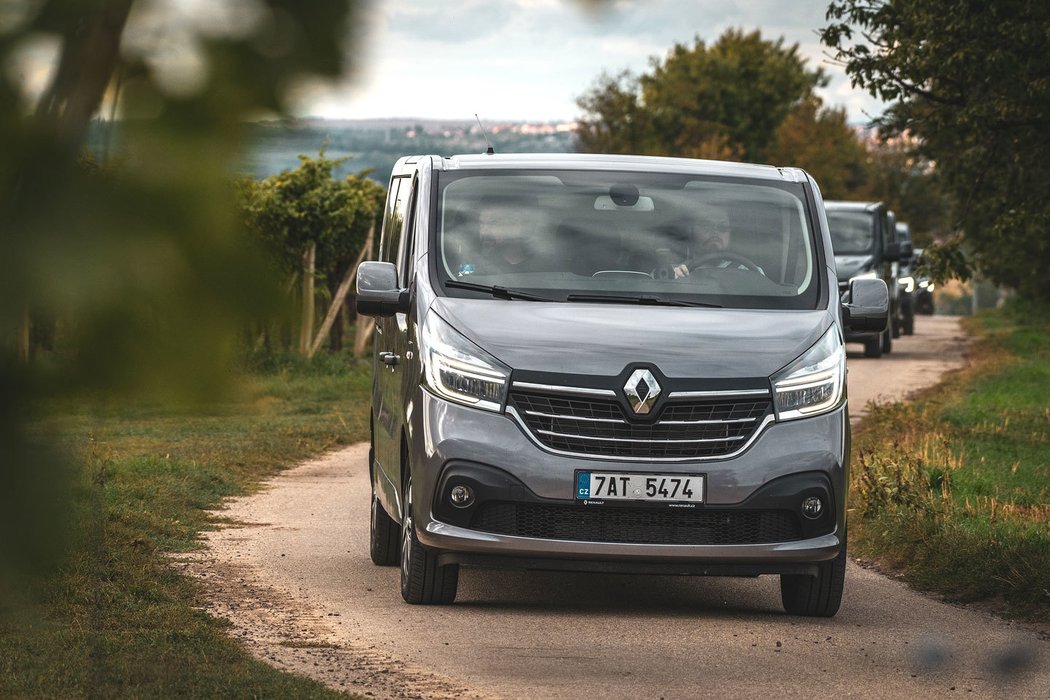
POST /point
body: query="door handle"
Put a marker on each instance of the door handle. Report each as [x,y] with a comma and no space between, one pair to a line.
[389,358]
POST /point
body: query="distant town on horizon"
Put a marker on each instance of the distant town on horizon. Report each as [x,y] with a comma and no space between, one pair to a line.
[373,145]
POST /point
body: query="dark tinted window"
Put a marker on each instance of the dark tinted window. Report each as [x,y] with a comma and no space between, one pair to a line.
[397,223]
[852,232]
[392,221]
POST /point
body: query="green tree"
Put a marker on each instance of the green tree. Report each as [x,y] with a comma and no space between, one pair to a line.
[971,81]
[819,140]
[724,100]
[617,123]
[309,209]
[912,187]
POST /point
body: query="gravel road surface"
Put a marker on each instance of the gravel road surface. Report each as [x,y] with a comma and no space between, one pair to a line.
[291,572]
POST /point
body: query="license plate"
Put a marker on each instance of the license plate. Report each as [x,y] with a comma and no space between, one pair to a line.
[618,486]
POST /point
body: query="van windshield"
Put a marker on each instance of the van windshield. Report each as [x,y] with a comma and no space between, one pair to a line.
[587,235]
[851,232]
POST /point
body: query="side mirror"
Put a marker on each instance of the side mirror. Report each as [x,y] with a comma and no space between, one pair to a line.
[892,253]
[866,308]
[377,290]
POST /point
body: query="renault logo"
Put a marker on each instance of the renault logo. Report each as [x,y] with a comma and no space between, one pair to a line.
[642,391]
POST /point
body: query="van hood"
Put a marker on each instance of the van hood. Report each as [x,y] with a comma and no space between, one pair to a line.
[602,339]
[850,265]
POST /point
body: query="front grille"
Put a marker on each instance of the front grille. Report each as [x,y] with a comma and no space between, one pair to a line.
[637,525]
[684,429]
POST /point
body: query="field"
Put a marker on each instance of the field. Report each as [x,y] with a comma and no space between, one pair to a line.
[114,619]
[953,490]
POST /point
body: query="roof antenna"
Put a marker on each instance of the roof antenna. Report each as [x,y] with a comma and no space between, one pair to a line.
[490,151]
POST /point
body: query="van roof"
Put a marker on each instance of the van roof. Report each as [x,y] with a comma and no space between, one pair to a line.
[587,161]
[851,206]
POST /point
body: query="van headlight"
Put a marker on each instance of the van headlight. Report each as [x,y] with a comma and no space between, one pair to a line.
[458,370]
[813,383]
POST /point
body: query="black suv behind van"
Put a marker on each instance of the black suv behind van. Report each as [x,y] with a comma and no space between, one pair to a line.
[864,239]
[906,279]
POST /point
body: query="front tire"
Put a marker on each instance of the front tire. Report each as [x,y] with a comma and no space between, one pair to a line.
[873,347]
[815,596]
[887,342]
[908,316]
[423,581]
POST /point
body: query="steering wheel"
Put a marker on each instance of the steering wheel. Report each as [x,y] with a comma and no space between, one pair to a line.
[722,256]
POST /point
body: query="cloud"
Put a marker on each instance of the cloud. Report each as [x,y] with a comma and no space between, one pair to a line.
[461,22]
[530,59]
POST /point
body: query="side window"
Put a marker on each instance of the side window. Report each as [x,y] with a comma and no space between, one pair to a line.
[393,220]
[888,233]
[404,259]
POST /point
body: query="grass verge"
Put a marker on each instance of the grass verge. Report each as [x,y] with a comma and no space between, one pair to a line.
[113,618]
[951,490]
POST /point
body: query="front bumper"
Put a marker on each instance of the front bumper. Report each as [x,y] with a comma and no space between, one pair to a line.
[450,440]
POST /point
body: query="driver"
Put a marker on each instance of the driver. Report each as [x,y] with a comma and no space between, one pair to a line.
[708,237]
[503,244]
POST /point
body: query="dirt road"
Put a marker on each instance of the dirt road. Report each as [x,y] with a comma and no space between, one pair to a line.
[294,577]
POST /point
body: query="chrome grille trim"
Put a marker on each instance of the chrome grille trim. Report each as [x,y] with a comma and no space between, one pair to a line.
[727,421]
[561,416]
[584,391]
[640,441]
[717,394]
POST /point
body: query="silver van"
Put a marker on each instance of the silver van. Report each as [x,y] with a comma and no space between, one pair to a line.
[610,364]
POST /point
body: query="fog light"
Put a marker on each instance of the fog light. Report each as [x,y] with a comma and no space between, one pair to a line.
[812,507]
[461,496]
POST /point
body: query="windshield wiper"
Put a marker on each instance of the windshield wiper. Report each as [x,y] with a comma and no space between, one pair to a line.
[644,300]
[496,291]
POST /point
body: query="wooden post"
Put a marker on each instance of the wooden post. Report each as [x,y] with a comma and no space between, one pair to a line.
[307,328]
[365,324]
[333,309]
[23,339]
[340,294]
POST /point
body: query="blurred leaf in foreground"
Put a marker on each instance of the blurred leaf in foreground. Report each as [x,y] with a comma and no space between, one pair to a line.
[131,276]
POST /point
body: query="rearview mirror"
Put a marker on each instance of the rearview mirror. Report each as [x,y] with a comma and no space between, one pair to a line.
[866,308]
[607,203]
[378,293]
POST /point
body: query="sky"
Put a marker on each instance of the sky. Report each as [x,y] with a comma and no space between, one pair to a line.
[505,60]
[531,59]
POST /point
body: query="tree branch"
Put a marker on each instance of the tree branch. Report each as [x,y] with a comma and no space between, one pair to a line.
[90,52]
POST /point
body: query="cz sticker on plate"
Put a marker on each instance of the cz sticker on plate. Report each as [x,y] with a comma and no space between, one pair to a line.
[620,486]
